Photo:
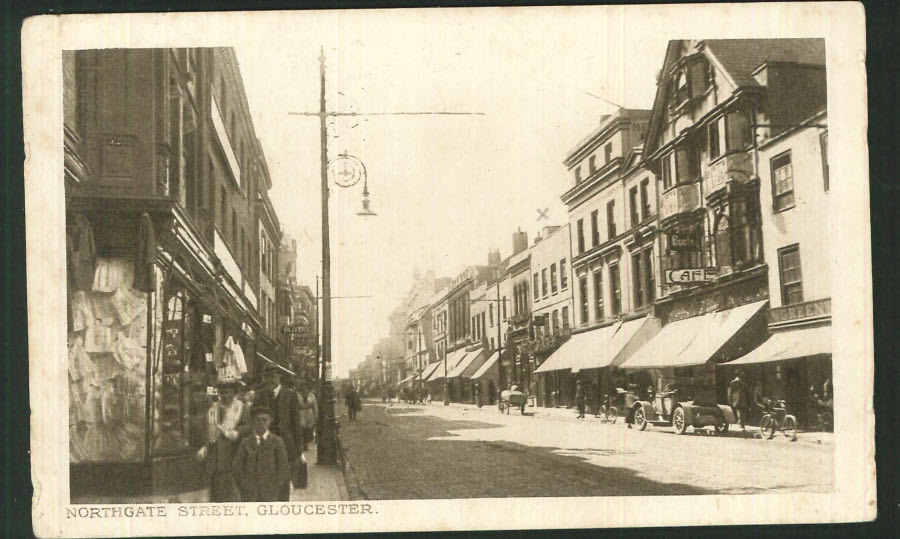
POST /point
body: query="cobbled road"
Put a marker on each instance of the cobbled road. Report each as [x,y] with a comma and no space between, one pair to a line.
[397,452]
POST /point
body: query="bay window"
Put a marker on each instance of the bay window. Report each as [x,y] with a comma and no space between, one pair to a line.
[738,131]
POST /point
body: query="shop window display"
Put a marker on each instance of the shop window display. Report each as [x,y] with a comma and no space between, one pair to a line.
[106,361]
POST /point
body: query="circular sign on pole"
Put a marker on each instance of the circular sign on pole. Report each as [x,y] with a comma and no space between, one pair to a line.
[346,170]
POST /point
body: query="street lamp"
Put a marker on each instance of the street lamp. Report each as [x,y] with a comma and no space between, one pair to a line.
[348,170]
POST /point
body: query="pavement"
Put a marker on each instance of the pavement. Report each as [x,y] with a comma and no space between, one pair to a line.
[325,483]
[400,451]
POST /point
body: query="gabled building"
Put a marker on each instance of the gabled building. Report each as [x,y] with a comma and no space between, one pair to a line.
[714,104]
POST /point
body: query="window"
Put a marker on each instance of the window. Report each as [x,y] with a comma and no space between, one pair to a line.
[666,170]
[565,317]
[580,227]
[615,289]
[553,288]
[504,308]
[491,313]
[681,87]
[234,244]
[698,77]
[536,288]
[607,152]
[611,218]
[598,294]
[737,130]
[493,345]
[243,250]
[649,276]
[782,182]
[595,229]
[544,282]
[645,198]
[223,211]
[577,175]
[823,146]
[563,276]
[633,201]
[687,163]
[592,164]
[582,287]
[555,321]
[637,280]
[712,137]
[791,279]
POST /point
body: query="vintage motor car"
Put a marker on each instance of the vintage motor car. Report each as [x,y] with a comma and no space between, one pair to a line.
[683,402]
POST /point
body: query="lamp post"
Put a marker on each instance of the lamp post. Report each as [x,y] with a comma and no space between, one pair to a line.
[326,449]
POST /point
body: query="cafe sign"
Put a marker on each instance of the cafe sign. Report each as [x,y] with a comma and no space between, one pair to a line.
[690,275]
[809,310]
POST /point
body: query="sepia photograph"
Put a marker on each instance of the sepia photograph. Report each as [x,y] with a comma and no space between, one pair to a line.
[446,255]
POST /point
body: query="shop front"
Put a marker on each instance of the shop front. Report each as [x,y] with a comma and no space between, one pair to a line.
[146,343]
[793,364]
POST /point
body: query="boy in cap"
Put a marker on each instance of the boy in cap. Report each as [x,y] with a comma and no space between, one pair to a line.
[261,465]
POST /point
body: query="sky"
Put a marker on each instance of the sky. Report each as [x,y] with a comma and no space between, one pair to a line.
[446,189]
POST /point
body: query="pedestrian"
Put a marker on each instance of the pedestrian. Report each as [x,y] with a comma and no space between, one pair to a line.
[285,406]
[353,403]
[478,402]
[579,399]
[260,465]
[630,400]
[737,398]
[229,423]
[309,413]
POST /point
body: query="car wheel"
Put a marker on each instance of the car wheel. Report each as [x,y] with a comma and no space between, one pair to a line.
[678,421]
[639,419]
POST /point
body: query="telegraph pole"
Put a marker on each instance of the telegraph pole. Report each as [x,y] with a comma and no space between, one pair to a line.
[326,447]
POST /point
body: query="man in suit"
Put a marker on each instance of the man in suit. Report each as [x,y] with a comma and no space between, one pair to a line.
[287,422]
[260,465]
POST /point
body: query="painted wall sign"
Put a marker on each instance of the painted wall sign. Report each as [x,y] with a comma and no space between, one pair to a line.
[801,311]
[690,275]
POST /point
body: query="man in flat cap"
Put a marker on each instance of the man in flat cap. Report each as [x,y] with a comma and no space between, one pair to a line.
[287,421]
[261,464]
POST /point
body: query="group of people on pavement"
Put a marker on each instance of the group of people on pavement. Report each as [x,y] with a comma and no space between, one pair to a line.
[256,443]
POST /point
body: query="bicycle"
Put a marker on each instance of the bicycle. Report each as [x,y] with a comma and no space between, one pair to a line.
[776,418]
[608,412]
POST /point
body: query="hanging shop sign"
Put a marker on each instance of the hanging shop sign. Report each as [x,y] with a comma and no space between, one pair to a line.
[295,329]
[207,319]
[690,275]
[684,241]
[247,329]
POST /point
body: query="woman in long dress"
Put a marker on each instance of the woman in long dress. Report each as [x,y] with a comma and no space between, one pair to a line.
[229,425]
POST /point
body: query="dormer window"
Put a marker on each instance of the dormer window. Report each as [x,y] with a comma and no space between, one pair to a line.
[681,87]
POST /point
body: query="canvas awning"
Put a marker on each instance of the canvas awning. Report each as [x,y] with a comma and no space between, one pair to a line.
[692,341]
[465,363]
[429,370]
[486,366]
[793,344]
[451,361]
[405,380]
[573,352]
[624,342]
[285,369]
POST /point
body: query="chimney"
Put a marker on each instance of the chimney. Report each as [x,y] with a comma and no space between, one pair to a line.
[520,241]
[494,257]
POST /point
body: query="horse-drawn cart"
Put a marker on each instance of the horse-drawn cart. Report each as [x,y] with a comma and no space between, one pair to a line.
[512,398]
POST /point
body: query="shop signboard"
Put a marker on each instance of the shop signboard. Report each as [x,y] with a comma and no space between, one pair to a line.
[688,240]
[801,311]
[690,275]
[295,329]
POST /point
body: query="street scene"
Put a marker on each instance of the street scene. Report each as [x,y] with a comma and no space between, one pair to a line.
[479,453]
[286,282]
